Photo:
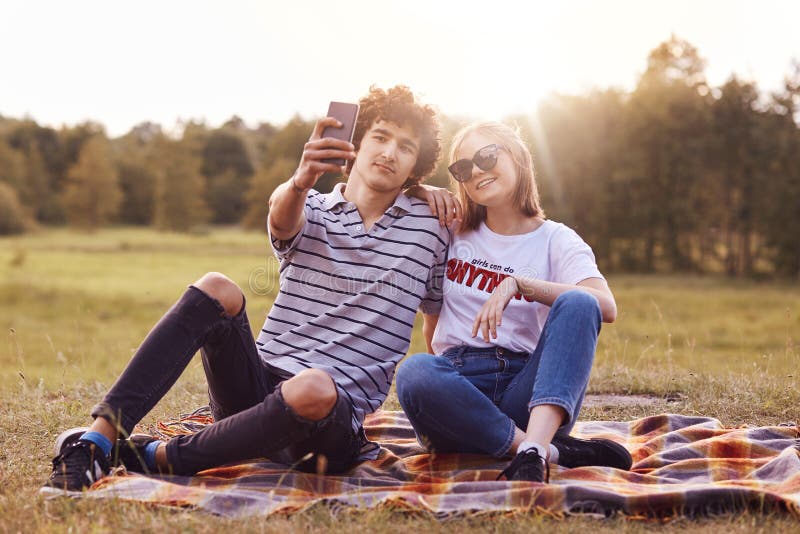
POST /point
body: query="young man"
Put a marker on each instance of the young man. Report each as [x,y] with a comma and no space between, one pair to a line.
[356,264]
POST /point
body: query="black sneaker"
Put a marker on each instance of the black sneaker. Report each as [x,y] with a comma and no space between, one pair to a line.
[68,437]
[527,465]
[574,452]
[79,465]
[128,452]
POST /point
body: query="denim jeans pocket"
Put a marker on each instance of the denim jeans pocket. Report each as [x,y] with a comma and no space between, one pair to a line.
[475,363]
[515,365]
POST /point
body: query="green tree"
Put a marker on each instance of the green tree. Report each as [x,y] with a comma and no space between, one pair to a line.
[137,183]
[179,188]
[259,139]
[739,172]
[45,169]
[227,167]
[36,192]
[92,195]
[288,142]
[195,136]
[781,218]
[12,215]
[12,166]
[137,164]
[262,184]
[666,130]
[75,137]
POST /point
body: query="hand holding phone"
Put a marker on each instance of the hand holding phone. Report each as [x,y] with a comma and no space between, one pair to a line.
[346,114]
[329,147]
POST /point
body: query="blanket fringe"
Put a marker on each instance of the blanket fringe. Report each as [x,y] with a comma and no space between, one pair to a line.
[186,423]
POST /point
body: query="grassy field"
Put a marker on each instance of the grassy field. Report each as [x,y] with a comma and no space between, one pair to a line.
[75,306]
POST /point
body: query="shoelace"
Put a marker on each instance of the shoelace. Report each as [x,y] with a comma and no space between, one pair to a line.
[97,472]
[66,453]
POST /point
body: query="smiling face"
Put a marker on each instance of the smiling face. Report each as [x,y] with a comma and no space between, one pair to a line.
[495,187]
[488,189]
[386,157]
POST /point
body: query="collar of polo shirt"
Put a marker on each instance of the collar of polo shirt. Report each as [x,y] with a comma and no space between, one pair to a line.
[336,197]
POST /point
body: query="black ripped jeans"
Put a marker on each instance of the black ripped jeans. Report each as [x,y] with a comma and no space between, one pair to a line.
[251,418]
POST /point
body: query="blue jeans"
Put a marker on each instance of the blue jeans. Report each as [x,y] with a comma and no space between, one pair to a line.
[470,399]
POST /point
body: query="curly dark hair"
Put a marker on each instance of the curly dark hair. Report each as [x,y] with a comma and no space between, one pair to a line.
[397,105]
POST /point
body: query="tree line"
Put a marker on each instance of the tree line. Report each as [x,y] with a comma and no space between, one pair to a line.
[675,175]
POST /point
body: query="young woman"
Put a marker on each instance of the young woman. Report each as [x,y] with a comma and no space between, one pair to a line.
[513,347]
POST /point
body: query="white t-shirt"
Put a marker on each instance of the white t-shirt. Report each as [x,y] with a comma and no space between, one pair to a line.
[480,259]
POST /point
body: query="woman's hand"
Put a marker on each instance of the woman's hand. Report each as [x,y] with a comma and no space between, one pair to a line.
[443,202]
[491,314]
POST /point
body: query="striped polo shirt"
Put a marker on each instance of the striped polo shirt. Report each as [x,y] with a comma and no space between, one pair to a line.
[348,297]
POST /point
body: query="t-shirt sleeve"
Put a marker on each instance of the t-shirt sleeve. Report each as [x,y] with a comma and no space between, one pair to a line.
[283,248]
[431,303]
[572,260]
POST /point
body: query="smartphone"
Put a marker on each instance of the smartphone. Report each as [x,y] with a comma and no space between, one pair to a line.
[346,114]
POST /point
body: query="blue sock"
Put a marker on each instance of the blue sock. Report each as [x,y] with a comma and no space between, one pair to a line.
[150,454]
[100,440]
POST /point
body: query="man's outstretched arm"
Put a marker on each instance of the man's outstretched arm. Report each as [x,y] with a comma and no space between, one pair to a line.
[287,202]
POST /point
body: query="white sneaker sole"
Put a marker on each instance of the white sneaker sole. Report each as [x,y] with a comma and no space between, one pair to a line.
[51,493]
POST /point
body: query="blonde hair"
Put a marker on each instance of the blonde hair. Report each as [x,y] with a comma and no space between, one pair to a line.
[526,196]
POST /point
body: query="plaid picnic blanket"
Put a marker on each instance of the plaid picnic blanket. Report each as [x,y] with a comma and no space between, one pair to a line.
[683,465]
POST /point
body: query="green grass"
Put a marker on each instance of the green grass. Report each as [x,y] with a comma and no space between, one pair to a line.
[75,306]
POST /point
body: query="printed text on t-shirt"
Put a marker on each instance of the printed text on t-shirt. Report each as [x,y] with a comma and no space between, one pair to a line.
[471,275]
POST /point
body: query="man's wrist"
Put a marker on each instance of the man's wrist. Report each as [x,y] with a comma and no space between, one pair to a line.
[297,188]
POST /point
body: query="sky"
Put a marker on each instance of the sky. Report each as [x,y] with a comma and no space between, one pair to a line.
[122,62]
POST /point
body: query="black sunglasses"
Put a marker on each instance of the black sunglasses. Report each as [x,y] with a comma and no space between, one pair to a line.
[485,159]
